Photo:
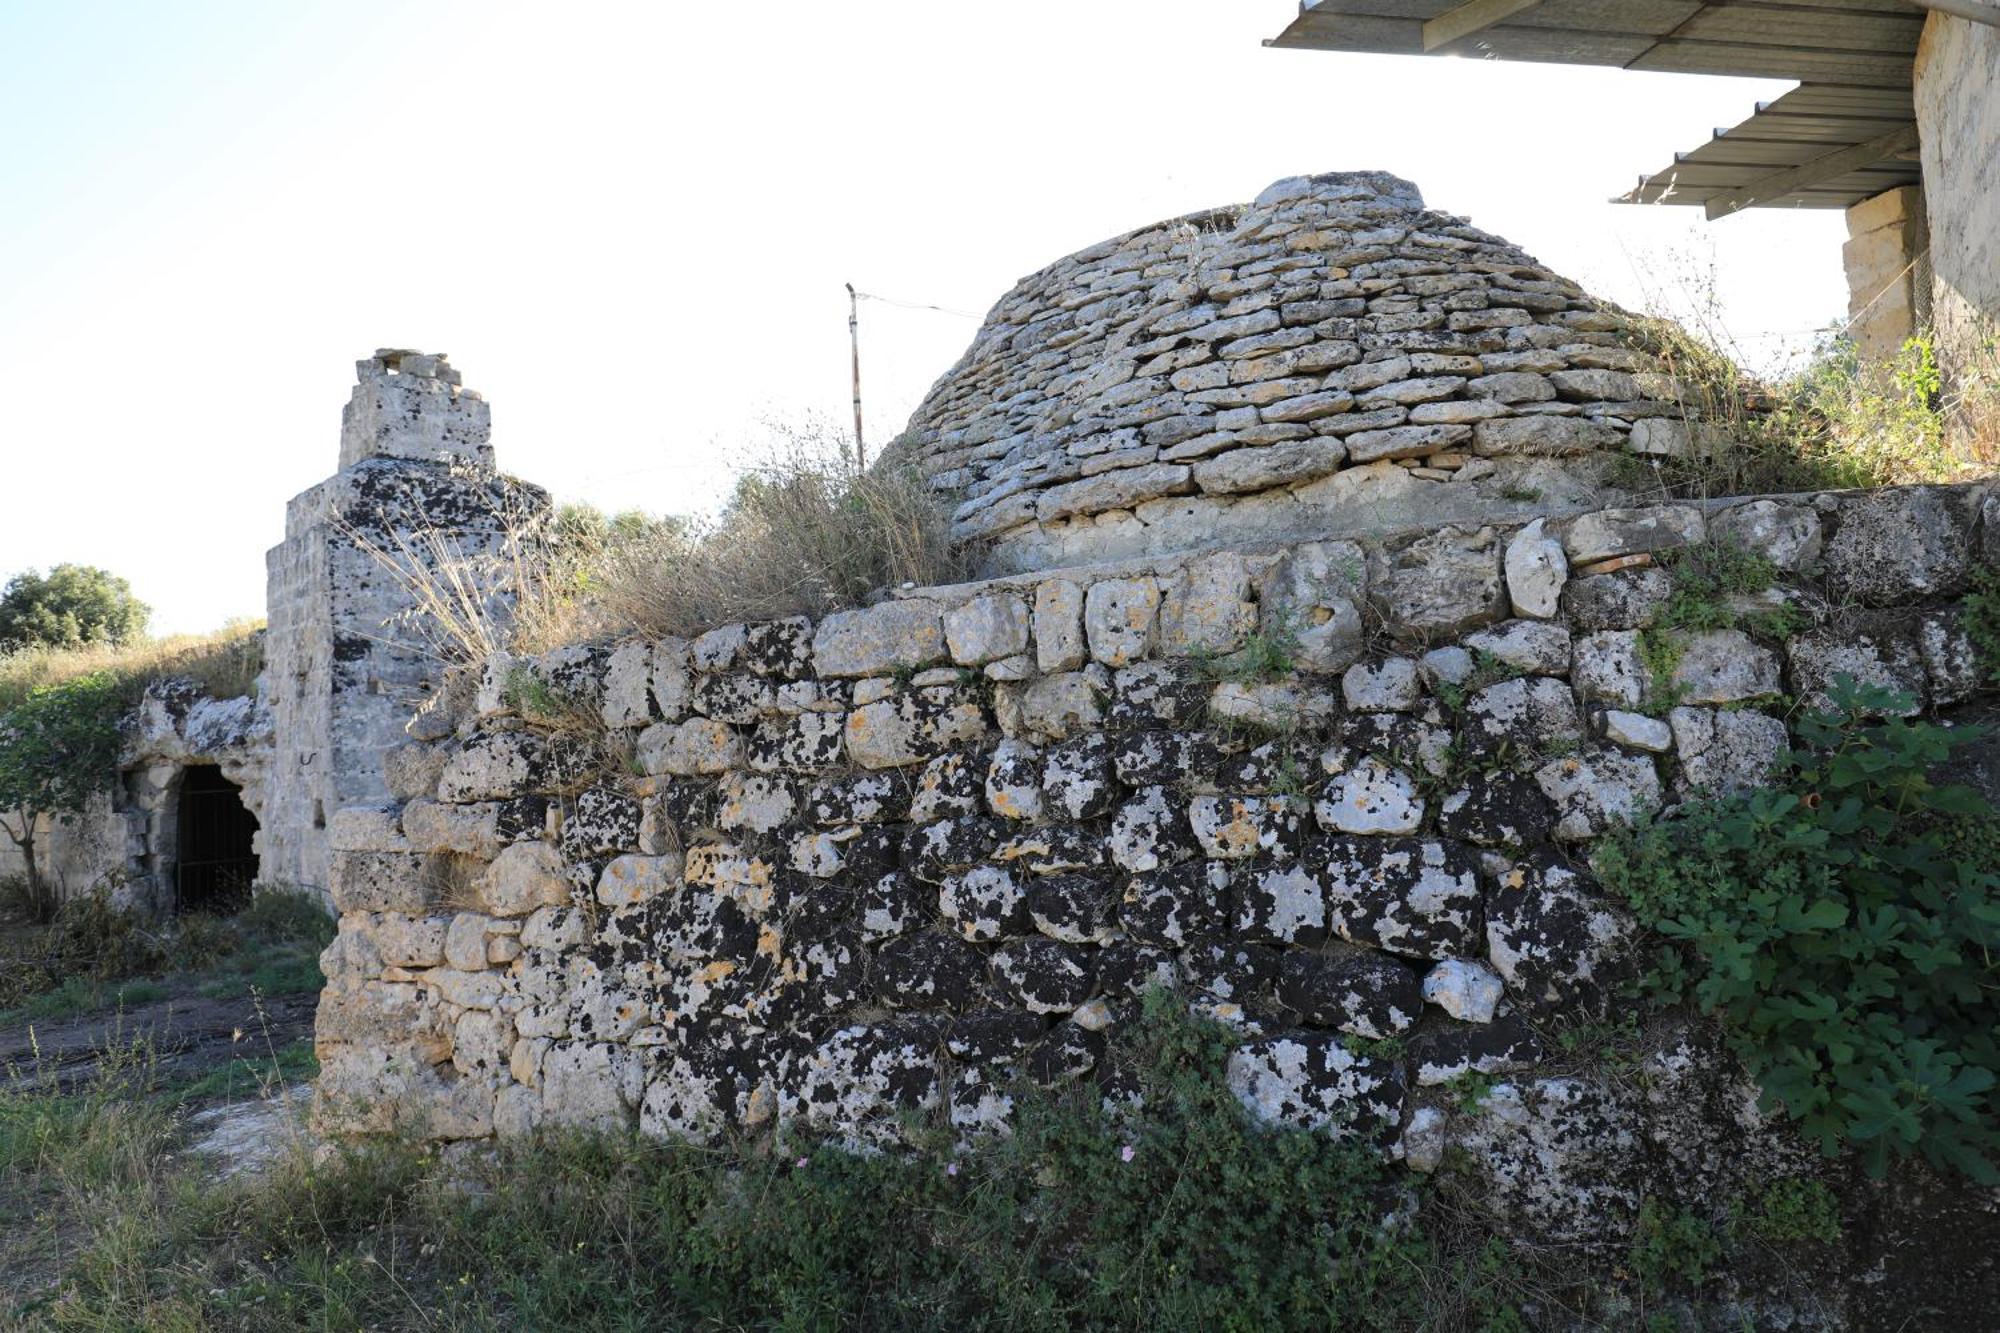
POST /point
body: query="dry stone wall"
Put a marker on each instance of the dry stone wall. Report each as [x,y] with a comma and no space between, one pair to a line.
[1334,357]
[915,856]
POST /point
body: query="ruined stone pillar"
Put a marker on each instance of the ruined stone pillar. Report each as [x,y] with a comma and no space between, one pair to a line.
[1888,282]
[384,568]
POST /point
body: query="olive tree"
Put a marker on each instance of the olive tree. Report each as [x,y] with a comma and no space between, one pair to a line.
[69,606]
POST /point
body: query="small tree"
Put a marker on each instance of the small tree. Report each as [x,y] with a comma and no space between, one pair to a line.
[72,605]
[57,747]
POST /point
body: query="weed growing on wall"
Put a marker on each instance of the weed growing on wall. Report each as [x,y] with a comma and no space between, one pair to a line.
[1982,620]
[1716,586]
[1852,961]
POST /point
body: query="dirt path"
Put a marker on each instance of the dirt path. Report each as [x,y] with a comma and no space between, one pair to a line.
[188,1034]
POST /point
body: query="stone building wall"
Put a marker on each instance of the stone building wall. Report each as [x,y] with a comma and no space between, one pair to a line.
[1957,76]
[1332,358]
[352,647]
[126,838]
[823,875]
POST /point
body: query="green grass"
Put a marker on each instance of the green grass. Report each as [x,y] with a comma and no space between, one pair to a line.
[250,1074]
[97,959]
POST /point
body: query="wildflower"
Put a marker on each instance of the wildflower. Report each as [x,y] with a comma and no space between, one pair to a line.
[1126,1153]
[951,1168]
[801,1162]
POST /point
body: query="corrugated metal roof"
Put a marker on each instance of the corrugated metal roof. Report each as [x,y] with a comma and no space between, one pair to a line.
[1797,152]
[1846,135]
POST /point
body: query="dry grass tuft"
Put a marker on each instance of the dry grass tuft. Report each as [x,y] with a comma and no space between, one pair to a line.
[803,535]
[225,663]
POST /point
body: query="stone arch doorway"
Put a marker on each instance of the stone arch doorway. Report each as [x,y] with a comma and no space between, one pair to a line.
[215,859]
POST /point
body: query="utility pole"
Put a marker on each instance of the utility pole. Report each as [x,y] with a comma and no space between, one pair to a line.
[854,338]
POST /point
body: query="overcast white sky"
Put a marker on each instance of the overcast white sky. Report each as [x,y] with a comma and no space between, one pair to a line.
[629,223]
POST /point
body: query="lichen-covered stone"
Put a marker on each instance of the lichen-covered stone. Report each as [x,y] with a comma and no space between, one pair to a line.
[1557,943]
[1177,905]
[1522,716]
[1235,827]
[1596,788]
[1279,904]
[928,970]
[1366,994]
[1881,653]
[1077,777]
[1075,908]
[1044,976]
[1370,797]
[1312,1081]
[1014,781]
[1726,750]
[913,726]
[1504,809]
[1409,896]
[877,640]
[1901,545]
[984,903]
[495,766]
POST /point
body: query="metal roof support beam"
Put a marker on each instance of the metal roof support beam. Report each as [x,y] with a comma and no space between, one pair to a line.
[1825,168]
[1976,11]
[1470,17]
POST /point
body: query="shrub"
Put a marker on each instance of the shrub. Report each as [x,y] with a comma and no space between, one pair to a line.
[1837,422]
[58,747]
[1850,959]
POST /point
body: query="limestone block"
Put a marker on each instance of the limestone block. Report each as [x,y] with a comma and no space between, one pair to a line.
[1537,571]
[1596,788]
[412,771]
[1884,654]
[1901,545]
[465,942]
[630,880]
[1725,750]
[366,828]
[406,941]
[523,878]
[1554,939]
[1637,731]
[987,629]
[1241,471]
[384,882]
[1614,532]
[1541,436]
[1724,666]
[1118,619]
[687,749]
[1114,490]
[1953,663]
[1058,625]
[1313,1081]
[1525,645]
[672,678]
[1441,585]
[1789,536]
[880,639]
[1466,990]
[1607,669]
[1059,706]
[1207,608]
